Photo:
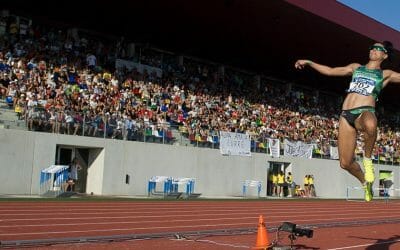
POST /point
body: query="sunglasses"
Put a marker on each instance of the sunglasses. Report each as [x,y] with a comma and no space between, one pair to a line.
[378,48]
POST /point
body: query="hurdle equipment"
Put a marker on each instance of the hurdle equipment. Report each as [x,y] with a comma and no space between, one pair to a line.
[172,187]
[251,183]
[52,179]
[357,193]
[185,183]
[166,182]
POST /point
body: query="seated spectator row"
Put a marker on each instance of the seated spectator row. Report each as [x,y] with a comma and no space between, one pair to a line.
[58,83]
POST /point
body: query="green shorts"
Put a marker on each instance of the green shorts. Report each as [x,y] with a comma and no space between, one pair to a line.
[352,114]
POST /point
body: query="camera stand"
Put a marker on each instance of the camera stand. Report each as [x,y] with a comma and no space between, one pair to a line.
[292,237]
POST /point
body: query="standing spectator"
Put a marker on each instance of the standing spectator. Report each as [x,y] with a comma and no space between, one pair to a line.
[281,183]
[128,128]
[74,167]
[311,186]
[306,186]
[91,61]
[274,184]
[69,122]
[289,181]
[112,124]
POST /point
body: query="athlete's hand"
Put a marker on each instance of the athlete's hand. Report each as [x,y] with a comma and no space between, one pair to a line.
[300,64]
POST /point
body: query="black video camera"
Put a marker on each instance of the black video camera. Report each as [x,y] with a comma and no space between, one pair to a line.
[292,228]
[303,232]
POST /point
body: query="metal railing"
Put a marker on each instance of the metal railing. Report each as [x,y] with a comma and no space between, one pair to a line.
[99,126]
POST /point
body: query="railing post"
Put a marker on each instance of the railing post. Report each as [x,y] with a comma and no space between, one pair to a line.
[105,128]
[83,125]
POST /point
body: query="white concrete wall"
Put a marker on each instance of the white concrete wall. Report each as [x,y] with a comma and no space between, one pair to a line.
[16,162]
[23,154]
[95,172]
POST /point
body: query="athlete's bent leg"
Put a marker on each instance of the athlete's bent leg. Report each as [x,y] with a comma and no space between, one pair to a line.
[367,124]
[347,145]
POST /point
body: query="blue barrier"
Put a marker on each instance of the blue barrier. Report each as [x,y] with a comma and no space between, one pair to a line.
[170,185]
[251,183]
[188,182]
[52,178]
[152,185]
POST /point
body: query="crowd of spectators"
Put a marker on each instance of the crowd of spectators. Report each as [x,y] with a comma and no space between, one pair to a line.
[65,81]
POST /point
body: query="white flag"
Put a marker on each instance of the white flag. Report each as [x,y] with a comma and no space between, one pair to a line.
[333,151]
[274,147]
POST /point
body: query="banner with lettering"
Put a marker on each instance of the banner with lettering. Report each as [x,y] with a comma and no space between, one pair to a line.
[298,149]
[274,147]
[234,144]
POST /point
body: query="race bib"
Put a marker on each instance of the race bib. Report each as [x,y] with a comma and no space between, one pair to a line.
[362,86]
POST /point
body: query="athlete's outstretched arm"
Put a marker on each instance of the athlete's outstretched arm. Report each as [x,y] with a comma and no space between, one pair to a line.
[326,70]
[391,76]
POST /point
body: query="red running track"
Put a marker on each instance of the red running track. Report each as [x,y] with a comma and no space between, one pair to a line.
[53,220]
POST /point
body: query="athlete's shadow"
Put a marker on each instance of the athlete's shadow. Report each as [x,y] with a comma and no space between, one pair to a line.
[381,244]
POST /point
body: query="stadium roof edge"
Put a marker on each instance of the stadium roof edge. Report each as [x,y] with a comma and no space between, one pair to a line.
[343,15]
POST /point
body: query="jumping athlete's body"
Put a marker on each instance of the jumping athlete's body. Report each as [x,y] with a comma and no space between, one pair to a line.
[358,109]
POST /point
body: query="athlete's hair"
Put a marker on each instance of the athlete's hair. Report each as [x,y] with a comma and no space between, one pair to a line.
[389,48]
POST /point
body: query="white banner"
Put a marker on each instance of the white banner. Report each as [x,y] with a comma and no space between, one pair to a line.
[274,147]
[119,63]
[298,149]
[333,151]
[234,144]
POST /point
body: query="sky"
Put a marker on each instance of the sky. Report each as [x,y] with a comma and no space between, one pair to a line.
[384,11]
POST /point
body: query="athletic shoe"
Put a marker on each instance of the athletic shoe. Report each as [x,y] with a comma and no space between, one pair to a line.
[369,174]
[369,194]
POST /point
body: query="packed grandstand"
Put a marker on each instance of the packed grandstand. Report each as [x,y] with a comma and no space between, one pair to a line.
[73,81]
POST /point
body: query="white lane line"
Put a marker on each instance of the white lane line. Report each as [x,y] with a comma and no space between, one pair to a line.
[188,209]
[150,227]
[163,205]
[125,229]
[152,215]
[174,211]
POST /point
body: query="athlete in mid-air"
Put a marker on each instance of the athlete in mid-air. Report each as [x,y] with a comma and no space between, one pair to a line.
[358,109]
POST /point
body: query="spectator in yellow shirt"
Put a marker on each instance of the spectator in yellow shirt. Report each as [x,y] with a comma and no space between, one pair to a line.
[306,186]
[274,184]
[281,183]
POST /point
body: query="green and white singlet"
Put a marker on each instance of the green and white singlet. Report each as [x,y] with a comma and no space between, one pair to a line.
[366,82]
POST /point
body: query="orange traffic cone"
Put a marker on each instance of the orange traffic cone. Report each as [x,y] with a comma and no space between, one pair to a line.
[262,235]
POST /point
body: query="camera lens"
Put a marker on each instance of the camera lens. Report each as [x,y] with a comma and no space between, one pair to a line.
[304,232]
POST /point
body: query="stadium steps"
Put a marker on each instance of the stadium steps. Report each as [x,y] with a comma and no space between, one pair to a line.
[179,139]
[9,119]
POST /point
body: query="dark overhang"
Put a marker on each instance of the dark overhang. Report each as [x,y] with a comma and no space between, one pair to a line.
[264,36]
